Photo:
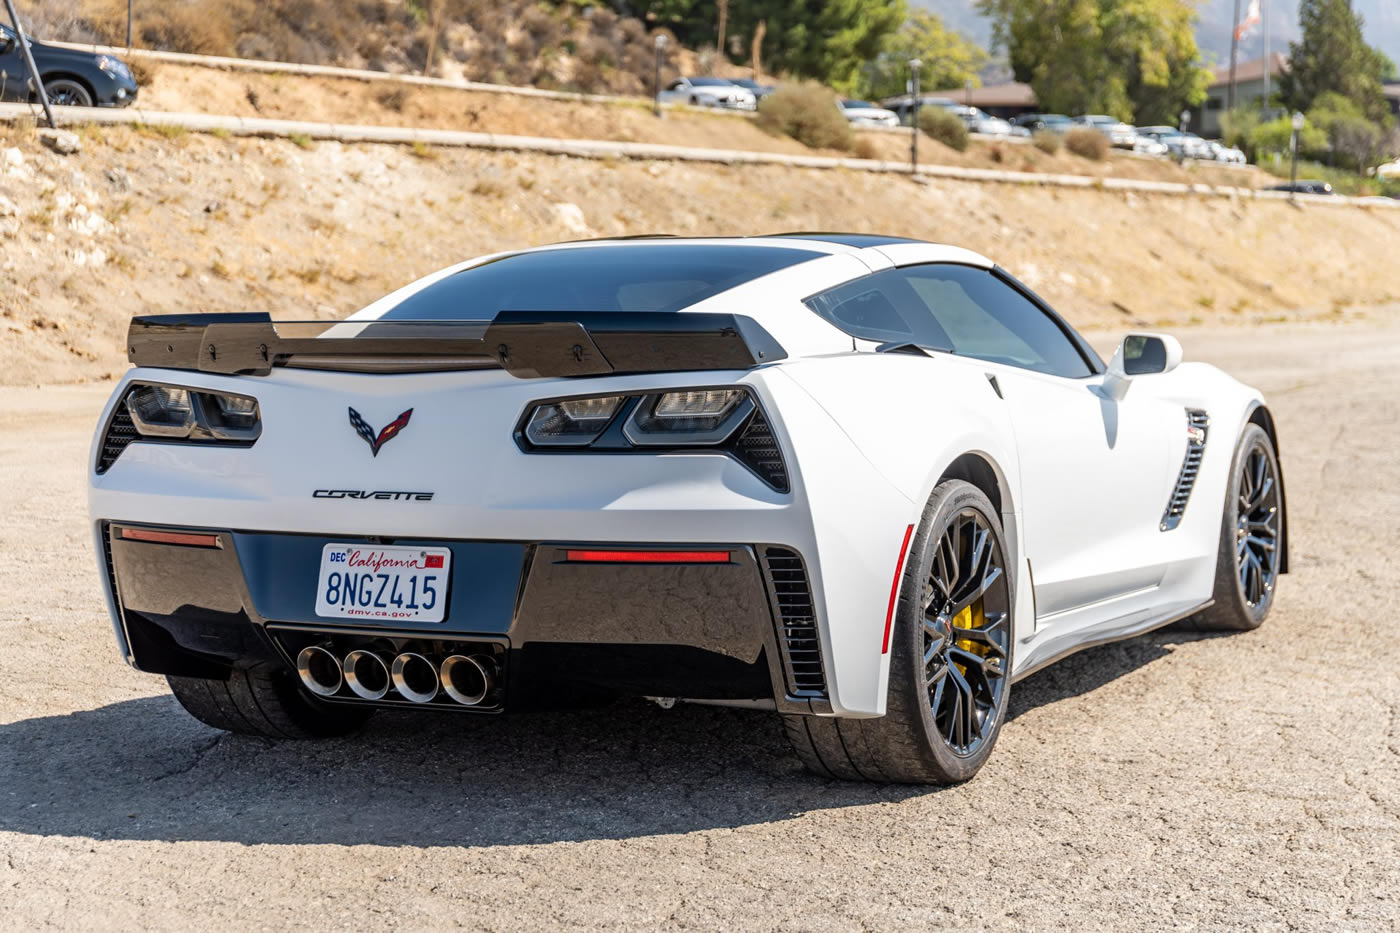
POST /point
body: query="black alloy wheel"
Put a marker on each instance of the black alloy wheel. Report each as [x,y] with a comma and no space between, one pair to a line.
[1256,526]
[966,633]
[1252,539]
[64,92]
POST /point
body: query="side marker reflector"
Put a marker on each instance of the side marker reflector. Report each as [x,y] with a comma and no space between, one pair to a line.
[894,588]
[648,557]
[170,537]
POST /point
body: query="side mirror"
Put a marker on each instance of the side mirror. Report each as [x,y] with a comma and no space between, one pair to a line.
[1141,355]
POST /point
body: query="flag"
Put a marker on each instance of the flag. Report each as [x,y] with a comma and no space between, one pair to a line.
[1251,19]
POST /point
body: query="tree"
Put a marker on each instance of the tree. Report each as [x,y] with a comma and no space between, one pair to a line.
[1135,59]
[1332,56]
[828,40]
[948,58]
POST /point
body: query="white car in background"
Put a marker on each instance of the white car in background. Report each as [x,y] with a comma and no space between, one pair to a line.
[709,92]
[1118,133]
[979,121]
[860,481]
[1223,153]
[864,113]
[1146,145]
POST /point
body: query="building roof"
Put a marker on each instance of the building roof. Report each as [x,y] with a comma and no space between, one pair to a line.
[1010,94]
[1252,70]
[1391,90]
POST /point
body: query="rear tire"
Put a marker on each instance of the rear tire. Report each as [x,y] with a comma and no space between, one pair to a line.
[1251,539]
[266,701]
[924,737]
[65,92]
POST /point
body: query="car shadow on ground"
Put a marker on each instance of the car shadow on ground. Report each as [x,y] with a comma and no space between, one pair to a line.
[142,769]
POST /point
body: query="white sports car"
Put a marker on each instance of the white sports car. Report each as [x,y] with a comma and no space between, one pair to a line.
[861,481]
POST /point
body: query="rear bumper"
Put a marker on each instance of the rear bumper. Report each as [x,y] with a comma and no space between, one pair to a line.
[740,630]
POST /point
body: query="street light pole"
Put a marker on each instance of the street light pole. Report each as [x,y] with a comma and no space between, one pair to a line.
[29,62]
[914,64]
[656,75]
[1298,120]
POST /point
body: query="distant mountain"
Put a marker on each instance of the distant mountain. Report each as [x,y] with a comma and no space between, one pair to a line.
[1382,25]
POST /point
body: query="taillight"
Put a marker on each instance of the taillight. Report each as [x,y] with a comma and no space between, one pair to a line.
[703,416]
[179,415]
[571,421]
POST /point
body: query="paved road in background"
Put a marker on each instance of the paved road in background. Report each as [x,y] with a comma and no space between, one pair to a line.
[1195,781]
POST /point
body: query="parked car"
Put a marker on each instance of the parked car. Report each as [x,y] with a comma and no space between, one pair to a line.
[904,107]
[1224,153]
[570,487]
[1179,145]
[979,121]
[759,91]
[1146,145]
[1307,186]
[864,113]
[71,77]
[1055,122]
[709,92]
[1119,134]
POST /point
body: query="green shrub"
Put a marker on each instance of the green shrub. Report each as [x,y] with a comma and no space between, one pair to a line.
[809,113]
[1047,141]
[945,126]
[1274,136]
[1088,143]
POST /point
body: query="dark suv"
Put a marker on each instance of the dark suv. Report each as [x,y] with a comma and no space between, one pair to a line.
[71,76]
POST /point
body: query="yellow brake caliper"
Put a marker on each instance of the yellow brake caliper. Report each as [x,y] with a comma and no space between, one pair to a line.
[970,617]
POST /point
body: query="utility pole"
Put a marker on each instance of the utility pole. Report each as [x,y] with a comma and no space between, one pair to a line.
[1264,14]
[1298,120]
[29,62]
[723,22]
[914,64]
[1234,51]
[656,74]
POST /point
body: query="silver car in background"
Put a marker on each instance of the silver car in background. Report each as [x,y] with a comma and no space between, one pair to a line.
[1118,133]
[708,92]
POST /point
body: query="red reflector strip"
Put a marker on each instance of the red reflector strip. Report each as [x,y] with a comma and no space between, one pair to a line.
[648,557]
[170,537]
[894,588]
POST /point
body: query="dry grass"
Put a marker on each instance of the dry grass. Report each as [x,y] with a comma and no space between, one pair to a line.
[1087,143]
[809,113]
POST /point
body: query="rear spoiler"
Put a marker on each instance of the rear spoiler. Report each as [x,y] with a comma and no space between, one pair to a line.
[526,344]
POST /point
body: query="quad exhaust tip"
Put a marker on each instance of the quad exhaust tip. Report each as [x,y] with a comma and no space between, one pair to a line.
[319,671]
[367,675]
[468,679]
[414,677]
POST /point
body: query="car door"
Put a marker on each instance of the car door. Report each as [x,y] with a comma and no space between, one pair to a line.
[1095,470]
[14,74]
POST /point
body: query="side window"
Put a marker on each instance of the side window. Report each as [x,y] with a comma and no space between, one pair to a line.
[881,307]
[986,319]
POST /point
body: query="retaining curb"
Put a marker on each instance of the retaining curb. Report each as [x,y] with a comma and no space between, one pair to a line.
[606,149]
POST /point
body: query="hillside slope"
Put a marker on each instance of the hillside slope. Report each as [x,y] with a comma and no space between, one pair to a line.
[139,222]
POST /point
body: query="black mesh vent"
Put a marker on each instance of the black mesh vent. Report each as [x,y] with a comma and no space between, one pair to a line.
[757,449]
[120,432]
[1190,469]
[792,602]
[107,559]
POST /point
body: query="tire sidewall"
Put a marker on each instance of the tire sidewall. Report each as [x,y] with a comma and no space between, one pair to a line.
[948,499]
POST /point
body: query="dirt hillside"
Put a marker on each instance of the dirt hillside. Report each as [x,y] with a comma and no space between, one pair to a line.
[140,222]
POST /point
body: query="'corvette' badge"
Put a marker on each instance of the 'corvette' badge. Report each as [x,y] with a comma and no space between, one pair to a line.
[390,431]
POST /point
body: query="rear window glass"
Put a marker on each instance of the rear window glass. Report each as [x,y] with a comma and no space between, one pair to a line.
[626,277]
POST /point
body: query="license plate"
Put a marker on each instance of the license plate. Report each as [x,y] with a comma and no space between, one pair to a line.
[396,583]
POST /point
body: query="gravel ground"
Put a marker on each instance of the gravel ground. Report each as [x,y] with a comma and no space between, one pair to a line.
[1174,780]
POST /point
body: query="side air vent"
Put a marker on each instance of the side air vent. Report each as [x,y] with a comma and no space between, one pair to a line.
[1197,425]
[120,432]
[757,449]
[792,607]
[107,560]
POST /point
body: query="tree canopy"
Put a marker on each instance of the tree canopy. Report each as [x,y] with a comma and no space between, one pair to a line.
[829,40]
[948,58]
[1134,59]
[1332,56]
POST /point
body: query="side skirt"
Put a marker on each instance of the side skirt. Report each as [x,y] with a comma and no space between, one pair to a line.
[1095,641]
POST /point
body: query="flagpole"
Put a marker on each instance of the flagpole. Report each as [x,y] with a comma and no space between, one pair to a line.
[1264,13]
[1234,49]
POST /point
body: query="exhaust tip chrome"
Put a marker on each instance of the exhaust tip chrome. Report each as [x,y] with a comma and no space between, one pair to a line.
[468,679]
[319,670]
[414,677]
[366,675]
